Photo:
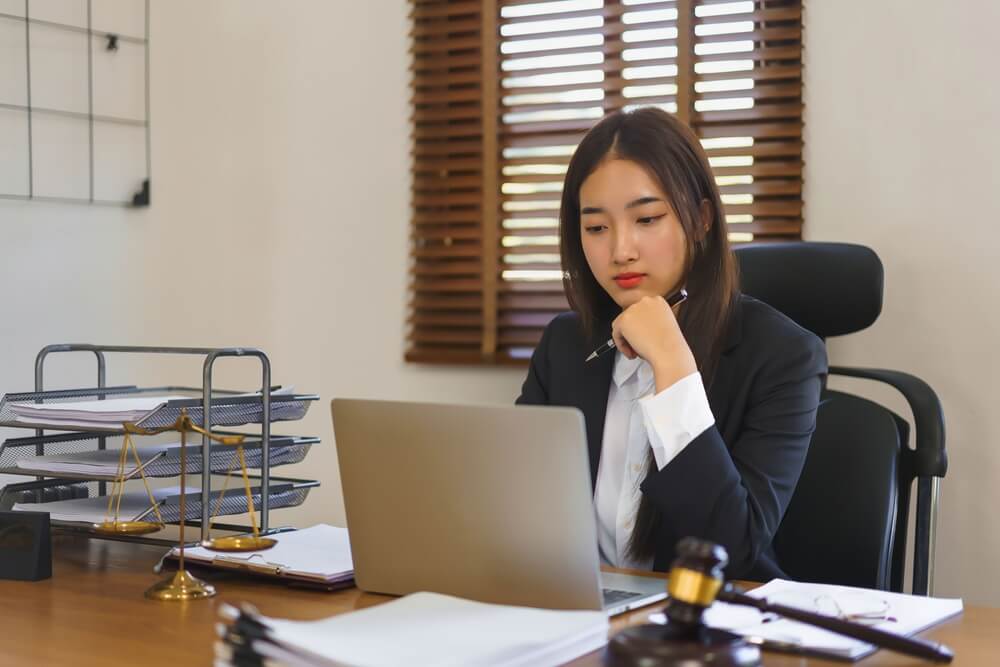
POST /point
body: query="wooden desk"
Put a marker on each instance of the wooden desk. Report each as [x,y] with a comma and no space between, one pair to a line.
[92,612]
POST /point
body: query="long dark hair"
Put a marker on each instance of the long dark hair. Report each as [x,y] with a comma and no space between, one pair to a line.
[672,155]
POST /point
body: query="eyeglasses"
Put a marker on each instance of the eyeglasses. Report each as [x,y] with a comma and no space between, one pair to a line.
[857,606]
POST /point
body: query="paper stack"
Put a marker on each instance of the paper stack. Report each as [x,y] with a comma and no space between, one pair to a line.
[134,506]
[90,414]
[110,413]
[102,462]
[419,629]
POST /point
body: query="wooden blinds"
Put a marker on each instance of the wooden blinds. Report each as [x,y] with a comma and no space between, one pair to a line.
[503,90]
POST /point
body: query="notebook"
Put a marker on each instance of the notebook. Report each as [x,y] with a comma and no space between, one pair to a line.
[415,630]
[893,612]
[320,554]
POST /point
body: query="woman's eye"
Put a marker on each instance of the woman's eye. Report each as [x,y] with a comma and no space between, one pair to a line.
[594,229]
[649,219]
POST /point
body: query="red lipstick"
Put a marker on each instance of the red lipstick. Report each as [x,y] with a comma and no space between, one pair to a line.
[629,280]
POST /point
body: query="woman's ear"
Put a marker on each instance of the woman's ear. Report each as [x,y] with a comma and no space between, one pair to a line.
[705,221]
[706,216]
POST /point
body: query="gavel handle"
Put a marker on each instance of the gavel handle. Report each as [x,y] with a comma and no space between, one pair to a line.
[908,645]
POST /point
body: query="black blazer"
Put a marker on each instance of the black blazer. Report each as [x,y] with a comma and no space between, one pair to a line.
[733,482]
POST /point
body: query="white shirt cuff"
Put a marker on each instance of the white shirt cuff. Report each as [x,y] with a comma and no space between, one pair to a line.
[675,417]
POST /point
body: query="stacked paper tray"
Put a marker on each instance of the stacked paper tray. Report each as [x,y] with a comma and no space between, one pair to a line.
[228,408]
[76,456]
[135,505]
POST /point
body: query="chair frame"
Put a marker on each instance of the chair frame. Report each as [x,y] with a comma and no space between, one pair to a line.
[926,465]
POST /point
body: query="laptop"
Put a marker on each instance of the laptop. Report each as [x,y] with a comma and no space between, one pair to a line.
[489,503]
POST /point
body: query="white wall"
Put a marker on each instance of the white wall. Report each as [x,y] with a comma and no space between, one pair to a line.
[279,220]
[280,212]
[901,155]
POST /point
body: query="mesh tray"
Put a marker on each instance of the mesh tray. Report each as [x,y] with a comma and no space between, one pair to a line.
[15,449]
[284,450]
[235,502]
[228,408]
[54,491]
[284,493]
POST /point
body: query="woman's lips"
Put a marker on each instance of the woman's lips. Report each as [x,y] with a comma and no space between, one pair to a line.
[629,280]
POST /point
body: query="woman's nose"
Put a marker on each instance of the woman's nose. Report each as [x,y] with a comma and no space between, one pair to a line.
[625,250]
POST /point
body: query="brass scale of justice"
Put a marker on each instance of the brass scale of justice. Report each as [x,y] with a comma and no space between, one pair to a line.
[182,585]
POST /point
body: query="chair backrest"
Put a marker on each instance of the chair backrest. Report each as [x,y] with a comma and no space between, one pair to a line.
[841,523]
[830,289]
[847,521]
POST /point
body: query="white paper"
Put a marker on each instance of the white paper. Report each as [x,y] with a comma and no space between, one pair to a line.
[111,412]
[319,552]
[97,414]
[11,479]
[100,462]
[95,509]
[905,614]
[441,630]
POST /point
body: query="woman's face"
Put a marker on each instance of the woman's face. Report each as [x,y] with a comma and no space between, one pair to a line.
[634,243]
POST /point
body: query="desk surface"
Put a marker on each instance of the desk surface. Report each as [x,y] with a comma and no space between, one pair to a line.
[92,612]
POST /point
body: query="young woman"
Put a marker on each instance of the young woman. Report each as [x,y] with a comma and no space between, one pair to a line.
[698,424]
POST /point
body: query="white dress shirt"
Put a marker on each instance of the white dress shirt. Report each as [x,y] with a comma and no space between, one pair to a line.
[638,419]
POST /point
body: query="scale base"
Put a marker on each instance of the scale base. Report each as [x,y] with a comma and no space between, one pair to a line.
[181,586]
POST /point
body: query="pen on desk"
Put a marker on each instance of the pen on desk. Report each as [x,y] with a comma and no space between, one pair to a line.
[672,300]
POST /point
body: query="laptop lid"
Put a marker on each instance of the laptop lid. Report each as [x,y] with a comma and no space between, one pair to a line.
[489,503]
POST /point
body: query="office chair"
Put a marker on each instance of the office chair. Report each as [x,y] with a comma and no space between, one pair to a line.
[847,521]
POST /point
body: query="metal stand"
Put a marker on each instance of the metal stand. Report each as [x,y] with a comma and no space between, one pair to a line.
[208,406]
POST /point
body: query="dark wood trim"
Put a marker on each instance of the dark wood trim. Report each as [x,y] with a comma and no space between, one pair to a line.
[685,60]
[489,111]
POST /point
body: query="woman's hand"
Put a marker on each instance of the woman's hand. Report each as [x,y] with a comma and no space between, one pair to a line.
[649,329]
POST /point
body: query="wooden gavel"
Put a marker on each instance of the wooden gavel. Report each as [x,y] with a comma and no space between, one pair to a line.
[695,583]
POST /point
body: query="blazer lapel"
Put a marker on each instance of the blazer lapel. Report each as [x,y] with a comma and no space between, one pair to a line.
[594,403]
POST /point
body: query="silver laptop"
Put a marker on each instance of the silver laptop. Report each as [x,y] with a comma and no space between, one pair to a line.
[486,503]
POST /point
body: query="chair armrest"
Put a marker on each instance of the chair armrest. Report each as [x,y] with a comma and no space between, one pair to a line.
[929,458]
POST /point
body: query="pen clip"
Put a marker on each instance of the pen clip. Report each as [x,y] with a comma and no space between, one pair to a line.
[237,563]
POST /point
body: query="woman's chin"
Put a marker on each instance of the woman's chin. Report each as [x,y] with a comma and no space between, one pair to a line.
[626,298]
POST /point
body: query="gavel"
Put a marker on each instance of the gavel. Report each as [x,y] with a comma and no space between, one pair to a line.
[696,581]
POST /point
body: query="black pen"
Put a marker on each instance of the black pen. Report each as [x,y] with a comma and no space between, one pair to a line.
[672,300]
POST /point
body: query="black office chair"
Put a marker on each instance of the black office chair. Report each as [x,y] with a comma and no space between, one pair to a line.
[847,522]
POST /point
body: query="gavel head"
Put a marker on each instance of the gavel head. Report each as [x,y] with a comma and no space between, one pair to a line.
[695,580]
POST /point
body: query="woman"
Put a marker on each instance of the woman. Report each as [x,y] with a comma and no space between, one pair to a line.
[699,422]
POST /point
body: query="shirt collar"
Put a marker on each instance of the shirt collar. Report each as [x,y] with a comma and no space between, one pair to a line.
[626,368]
